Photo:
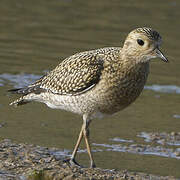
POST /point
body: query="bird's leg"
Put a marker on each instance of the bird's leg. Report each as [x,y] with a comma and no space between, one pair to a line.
[84,131]
[86,123]
[72,160]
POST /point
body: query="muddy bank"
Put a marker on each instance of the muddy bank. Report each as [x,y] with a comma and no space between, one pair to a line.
[30,162]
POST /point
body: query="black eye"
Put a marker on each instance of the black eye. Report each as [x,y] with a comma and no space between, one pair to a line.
[140,42]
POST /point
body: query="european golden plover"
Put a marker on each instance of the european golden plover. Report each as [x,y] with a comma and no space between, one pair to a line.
[97,83]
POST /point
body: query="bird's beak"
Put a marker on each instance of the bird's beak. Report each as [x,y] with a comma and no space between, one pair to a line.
[161,55]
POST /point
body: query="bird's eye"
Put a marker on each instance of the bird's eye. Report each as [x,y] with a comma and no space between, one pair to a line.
[140,42]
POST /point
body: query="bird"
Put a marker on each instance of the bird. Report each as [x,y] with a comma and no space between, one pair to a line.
[97,83]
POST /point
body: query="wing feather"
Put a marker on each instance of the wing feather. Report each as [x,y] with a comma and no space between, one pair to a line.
[75,75]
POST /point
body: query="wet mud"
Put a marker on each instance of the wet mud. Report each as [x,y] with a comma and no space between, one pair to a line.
[30,162]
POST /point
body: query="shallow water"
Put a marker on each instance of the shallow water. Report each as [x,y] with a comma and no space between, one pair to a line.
[36,36]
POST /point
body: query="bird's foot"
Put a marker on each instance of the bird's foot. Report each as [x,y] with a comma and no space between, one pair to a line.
[72,162]
[92,165]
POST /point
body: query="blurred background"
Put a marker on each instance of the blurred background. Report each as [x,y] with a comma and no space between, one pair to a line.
[37,35]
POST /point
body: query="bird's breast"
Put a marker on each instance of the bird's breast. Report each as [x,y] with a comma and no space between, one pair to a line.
[121,87]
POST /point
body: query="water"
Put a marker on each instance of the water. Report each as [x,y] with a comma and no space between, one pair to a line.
[164,88]
[161,138]
[36,36]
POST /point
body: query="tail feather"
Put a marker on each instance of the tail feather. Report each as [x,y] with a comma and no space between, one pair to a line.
[35,89]
[27,90]
[16,91]
[20,101]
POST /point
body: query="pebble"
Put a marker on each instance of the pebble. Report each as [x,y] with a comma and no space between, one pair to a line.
[30,162]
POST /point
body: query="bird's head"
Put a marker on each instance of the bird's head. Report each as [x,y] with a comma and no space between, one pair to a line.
[143,44]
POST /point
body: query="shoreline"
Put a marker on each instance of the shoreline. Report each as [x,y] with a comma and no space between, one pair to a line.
[31,162]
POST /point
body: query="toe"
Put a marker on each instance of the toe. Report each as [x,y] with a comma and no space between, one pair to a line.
[92,165]
[72,162]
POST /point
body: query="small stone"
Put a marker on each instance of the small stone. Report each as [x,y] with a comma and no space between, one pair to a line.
[174,134]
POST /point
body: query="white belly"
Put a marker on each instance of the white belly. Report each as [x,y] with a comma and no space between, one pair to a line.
[80,104]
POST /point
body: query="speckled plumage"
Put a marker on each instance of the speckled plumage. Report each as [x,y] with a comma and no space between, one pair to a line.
[151,34]
[98,82]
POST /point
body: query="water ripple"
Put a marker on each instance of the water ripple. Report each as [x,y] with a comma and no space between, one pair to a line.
[116,139]
[18,80]
[142,149]
[177,116]
[164,88]
[172,139]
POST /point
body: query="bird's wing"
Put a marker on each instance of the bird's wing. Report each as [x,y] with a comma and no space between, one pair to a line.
[75,75]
